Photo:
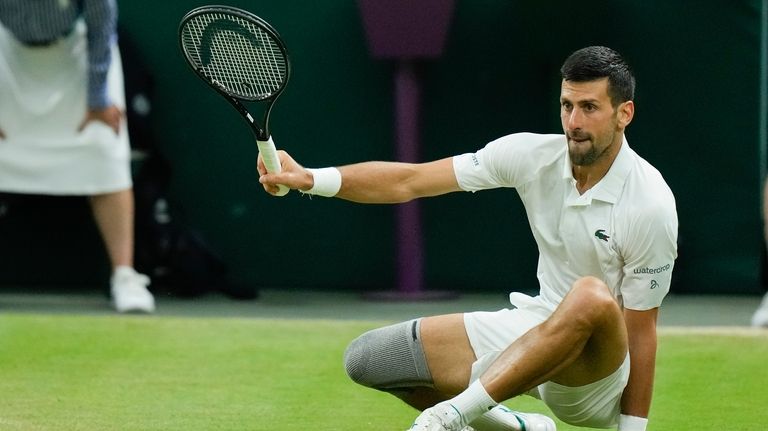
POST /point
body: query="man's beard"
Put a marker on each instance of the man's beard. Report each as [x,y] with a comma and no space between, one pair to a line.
[591,155]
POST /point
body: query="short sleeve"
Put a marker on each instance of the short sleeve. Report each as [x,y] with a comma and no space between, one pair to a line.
[506,162]
[650,249]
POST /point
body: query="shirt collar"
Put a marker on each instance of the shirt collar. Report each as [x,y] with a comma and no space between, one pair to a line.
[609,187]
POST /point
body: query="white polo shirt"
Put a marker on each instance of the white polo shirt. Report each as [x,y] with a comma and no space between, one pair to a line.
[622,231]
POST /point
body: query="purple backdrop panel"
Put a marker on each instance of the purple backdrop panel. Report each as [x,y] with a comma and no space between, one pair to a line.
[406,28]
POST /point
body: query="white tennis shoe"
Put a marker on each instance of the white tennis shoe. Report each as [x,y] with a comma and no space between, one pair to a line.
[129,291]
[442,417]
[501,417]
[445,417]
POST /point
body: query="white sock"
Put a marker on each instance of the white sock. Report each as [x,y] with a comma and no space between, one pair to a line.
[473,402]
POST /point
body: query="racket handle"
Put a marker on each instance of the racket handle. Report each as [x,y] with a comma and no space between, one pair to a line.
[271,161]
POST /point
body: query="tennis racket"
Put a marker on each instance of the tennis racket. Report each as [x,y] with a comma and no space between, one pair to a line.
[243,58]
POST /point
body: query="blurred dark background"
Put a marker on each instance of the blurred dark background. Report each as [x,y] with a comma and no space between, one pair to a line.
[698,120]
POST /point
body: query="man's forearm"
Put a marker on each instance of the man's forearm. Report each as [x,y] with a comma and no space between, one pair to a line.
[636,399]
[393,182]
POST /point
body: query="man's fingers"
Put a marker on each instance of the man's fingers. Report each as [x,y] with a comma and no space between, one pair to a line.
[283,178]
[292,176]
[270,189]
[270,186]
[260,167]
[268,179]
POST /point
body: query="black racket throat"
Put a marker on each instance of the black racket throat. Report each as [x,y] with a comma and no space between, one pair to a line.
[262,134]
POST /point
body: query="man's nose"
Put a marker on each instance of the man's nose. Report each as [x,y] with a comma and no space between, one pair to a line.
[574,119]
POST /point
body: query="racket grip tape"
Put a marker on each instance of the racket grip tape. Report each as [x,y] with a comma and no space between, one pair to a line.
[271,161]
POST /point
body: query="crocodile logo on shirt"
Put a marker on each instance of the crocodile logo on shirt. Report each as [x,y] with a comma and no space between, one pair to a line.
[600,234]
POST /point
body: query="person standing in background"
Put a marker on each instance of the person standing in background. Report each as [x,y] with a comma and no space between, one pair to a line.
[62,127]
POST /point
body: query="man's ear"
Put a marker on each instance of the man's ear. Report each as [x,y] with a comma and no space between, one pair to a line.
[626,113]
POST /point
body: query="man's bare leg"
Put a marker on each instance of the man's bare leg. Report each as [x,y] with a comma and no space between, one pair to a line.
[583,341]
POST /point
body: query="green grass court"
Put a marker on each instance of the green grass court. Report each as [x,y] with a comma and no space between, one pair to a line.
[106,372]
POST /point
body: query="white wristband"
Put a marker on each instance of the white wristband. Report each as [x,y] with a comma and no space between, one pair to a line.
[327,182]
[632,423]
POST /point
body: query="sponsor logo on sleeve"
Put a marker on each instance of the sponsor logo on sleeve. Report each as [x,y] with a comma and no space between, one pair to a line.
[657,270]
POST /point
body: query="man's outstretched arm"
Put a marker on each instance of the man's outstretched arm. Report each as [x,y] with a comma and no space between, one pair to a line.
[368,182]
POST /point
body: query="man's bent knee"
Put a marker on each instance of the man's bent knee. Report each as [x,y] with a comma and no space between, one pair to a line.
[594,300]
[591,284]
[593,290]
[389,358]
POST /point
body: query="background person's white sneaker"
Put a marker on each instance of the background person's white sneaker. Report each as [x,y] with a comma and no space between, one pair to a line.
[760,318]
[129,291]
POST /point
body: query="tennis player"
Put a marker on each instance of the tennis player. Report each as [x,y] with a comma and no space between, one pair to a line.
[605,224]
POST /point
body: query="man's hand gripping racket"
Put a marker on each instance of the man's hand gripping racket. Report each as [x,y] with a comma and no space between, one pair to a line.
[244,59]
[293,175]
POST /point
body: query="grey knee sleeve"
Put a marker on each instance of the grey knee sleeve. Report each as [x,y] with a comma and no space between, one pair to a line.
[389,358]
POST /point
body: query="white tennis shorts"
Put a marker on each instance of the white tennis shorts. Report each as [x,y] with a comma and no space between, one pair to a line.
[594,405]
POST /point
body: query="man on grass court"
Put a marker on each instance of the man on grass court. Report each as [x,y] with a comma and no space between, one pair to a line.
[605,224]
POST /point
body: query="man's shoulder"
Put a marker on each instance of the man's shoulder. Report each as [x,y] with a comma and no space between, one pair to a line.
[646,194]
[530,147]
[529,139]
[647,180]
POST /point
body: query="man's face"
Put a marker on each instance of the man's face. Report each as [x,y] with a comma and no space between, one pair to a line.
[590,122]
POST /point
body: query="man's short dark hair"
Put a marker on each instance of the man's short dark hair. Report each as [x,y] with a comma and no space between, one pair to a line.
[597,62]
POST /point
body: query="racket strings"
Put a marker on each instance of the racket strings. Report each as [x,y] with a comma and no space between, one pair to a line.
[236,54]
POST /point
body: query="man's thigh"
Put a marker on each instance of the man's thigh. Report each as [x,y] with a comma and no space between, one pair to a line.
[589,309]
[448,352]
[490,333]
[459,347]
